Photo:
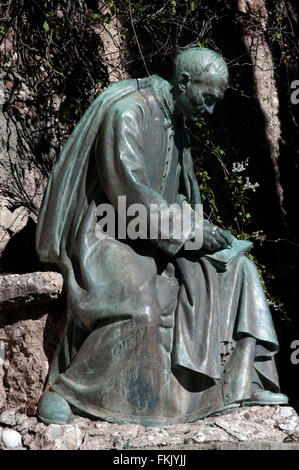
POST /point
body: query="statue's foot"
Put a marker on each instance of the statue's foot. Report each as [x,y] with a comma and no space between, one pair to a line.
[53,408]
[265,397]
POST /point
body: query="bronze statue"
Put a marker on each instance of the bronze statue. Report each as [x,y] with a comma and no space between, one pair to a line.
[157,334]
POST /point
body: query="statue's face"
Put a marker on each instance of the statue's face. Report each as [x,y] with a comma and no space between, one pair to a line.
[197,97]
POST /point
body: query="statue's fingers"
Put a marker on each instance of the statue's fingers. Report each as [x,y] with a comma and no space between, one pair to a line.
[227,235]
[220,239]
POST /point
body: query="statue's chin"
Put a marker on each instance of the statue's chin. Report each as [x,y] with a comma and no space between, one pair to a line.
[192,118]
[195,117]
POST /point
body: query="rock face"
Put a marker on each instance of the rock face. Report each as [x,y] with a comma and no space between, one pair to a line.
[32,320]
[11,222]
[257,427]
[21,185]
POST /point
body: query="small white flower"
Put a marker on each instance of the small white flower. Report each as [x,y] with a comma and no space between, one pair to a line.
[259,235]
[238,167]
[249,185]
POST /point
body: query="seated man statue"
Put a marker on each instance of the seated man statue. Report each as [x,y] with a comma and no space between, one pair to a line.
[156,333]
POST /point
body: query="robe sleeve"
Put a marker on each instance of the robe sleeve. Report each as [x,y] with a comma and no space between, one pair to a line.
[122,172]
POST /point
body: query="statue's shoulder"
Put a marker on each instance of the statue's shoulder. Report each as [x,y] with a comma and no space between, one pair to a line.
[132,95]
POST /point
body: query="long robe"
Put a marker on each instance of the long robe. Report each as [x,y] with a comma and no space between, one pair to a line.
[155,334]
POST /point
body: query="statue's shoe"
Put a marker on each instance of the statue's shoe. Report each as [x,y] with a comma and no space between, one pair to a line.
[53,408]
[225,410]
[265,397]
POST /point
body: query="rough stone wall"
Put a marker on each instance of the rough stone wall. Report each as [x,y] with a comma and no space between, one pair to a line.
[22,185]
[32,321]
[11,221]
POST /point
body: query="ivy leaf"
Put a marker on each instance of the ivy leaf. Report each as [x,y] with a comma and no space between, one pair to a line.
[46,26]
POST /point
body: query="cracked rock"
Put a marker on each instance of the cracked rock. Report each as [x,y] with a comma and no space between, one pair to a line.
[11,439]
[8,418]
[58,437]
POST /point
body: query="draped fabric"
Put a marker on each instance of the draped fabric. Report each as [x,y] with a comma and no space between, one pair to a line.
[155,333]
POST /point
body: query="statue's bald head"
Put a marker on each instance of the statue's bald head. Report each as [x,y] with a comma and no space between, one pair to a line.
[199,81]
[200,62]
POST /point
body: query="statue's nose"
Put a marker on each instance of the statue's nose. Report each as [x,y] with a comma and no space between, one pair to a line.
[210,108]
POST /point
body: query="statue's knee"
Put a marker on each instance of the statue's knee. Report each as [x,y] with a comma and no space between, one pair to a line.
[150,316]
[247,264]
[247,261]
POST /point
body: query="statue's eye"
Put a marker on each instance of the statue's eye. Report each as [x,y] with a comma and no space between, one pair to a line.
[209,99]
[196,100]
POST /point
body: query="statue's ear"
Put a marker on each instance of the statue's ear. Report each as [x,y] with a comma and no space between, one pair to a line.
[184,79]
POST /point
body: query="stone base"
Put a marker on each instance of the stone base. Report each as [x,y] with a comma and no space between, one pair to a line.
[251,428]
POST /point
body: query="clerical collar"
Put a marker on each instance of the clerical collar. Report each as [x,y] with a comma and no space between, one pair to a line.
[161,92]
[160,88]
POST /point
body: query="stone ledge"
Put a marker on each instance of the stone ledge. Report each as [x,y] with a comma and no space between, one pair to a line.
[16,288]
[251,428]
[249,445]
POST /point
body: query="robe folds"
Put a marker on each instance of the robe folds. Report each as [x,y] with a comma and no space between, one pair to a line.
[155,334]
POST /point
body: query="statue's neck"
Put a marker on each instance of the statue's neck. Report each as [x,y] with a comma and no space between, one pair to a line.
[167,96]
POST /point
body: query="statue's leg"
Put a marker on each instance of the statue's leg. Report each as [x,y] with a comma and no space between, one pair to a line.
[53,408]
[261,396]
[242,383]
[250,374]
[121,372]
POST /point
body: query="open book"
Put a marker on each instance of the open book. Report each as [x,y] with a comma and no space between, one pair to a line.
[222,259]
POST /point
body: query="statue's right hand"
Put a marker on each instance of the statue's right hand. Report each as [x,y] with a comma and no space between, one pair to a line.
[215,238]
